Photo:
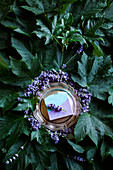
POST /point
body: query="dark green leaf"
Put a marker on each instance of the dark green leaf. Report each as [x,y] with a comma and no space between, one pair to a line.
[13,124]
[44,32]
[43,138]
[3,62]
[19,68]
[54,163]
[86,8]
[26,104]
[27,57]
[48,55]
[109,12]
[68,19]
[4,39]
[71,164]
[96,79]
[82,70]
[106,150]
[76,147]
[91,126]
[14,149]
[7,98]
[43,6]
[97,50]
[91,153]
[4,7]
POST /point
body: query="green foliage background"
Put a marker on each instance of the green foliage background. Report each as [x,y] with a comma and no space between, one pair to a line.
[37,35]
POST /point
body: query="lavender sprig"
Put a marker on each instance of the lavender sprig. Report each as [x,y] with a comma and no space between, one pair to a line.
[55,108]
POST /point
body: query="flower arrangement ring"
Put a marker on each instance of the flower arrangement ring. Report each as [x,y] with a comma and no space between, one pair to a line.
[64,122]
[58,103]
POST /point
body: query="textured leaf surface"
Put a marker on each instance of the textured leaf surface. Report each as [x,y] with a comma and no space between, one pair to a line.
[7,98]
[13,124]
[110,98]
[71,164]
[40,7]
[96,79]
[27,57]
[91,126]
[76,147]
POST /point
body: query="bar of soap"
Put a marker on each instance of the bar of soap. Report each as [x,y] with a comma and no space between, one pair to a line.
[61,99]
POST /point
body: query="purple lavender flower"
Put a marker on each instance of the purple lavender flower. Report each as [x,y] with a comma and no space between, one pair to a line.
[58,109]
[19,99]
[63,66]
[80,50]
[51,106]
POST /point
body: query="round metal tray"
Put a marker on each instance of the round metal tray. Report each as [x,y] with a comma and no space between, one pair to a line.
[41,113]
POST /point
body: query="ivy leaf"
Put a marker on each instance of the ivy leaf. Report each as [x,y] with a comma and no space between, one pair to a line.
[81,77]
[91,126]
[54,162]
[5,7]
[7,98]
[97,50]
[110,98]
[3,62]
[48,55]
[20,68]
[106,150]
[14,148]
[35,6]
[78,38]
[76,147]
[13,124]
[26,103]
[91,32]
[91,153]
[31,153]
[68,19]
[40,7]
[46,31]
[86,9]
[4,39]
[42,157]
[96,78]
[20,74]
[71,164]
[43,138]
[27,57]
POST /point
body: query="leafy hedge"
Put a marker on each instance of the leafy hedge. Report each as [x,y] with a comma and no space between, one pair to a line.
[37,35]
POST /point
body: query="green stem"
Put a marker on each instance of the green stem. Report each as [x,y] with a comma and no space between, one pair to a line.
[64,110]
[23,147]
[56,40]
[70,59]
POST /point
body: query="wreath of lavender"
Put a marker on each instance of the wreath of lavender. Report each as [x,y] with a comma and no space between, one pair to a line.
[40,83]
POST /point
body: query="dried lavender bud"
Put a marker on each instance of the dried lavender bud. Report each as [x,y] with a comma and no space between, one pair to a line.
[14,158]
[22,147]
[51,106]
[58,109]
[7,162]
[16,155]
[10,160]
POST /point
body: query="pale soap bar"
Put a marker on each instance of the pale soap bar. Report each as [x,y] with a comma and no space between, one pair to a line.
[59,99]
